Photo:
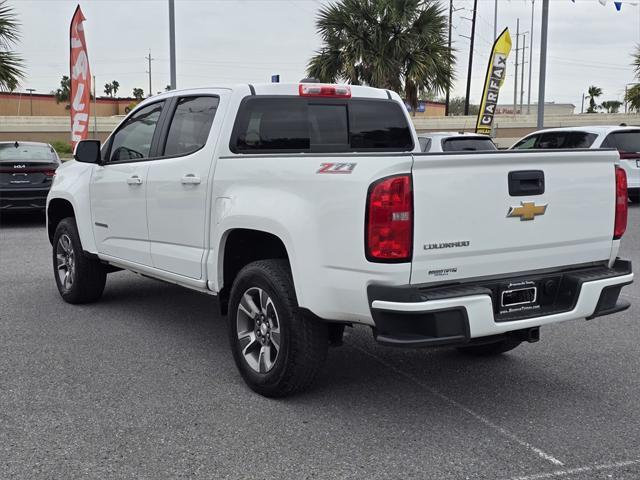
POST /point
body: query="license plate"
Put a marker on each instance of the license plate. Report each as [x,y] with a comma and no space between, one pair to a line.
[518,296]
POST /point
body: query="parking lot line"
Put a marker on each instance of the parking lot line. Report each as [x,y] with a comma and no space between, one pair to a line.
[577,470]
[502,431]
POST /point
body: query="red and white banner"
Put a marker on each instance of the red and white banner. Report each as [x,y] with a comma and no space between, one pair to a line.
[80,80]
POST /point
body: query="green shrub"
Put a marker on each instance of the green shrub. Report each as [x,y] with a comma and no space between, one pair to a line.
[63,148]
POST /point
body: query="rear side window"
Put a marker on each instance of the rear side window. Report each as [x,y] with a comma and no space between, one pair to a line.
[425,144]
[467,144]
[626,141]
[294,124]
[567,139]
[190,125]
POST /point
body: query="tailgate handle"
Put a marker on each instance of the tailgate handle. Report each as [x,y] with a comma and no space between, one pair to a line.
[526,182]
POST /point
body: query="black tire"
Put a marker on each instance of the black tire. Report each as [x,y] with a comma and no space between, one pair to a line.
[634,196]
[302,339]
[87,276]
[489,349]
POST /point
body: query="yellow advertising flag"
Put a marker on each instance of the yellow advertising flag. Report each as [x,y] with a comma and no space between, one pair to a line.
[496,72]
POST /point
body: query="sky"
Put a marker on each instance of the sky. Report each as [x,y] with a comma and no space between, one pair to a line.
[246,41]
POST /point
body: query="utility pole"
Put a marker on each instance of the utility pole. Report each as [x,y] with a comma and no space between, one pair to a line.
[495,21]
[31,90]
[524,50]
[543,62]
[95,110]
[172,45]
[473,34]
[149,72]
[447,98]
[515,81]
[582,108]
[530,57]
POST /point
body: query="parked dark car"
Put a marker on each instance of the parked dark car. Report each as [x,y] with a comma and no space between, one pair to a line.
[26,172]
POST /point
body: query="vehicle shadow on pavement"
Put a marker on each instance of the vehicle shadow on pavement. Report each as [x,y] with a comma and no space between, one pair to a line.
[22,220]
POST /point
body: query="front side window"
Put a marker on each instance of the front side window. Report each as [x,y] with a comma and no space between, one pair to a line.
[190,125]
[294,124]
[581,140]
[526,143]
[133,140]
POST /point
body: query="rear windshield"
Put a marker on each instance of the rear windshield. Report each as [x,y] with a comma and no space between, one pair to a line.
[11,152]
[627,141]
[467,144]
[294,124]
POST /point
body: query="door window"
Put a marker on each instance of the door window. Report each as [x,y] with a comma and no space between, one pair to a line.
[190,125]
[133,140]
[526,143]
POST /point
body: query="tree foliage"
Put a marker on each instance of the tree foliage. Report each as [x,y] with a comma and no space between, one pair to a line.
[611,106]
[399,45]
[11,64]
[138,93]
[456,107]
[63,93]
[632,97]
[593,93]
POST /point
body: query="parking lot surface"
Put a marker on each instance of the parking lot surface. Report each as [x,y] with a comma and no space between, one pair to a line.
[142,385]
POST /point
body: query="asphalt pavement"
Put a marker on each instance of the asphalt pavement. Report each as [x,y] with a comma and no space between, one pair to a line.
[142,385]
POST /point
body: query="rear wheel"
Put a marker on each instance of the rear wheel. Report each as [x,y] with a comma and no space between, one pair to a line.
[278,348]
[488,349]
[79,279]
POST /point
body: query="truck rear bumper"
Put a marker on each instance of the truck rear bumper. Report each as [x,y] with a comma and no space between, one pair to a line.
[415,316]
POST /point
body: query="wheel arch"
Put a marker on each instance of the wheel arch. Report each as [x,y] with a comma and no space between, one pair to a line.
[238,248]
[57,210]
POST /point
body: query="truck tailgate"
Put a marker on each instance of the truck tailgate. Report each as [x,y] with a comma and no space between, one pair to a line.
[462,202]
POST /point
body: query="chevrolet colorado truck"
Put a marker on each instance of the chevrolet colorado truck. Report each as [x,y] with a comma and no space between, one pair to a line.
[307,207]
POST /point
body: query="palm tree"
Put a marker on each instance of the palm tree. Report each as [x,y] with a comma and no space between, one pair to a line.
[632,98]
[636,62]
[10,63]
[611,106]
[115,85]
[400,45]
[593,93]
[108,89]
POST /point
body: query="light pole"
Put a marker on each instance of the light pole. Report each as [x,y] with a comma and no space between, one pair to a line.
[172,45]
[543,62]
[473,34]
[31,90]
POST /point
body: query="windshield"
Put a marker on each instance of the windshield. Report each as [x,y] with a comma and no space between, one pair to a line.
[11,152]
[467,144]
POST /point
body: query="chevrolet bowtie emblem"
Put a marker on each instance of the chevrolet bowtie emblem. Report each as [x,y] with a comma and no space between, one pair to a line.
[527,210]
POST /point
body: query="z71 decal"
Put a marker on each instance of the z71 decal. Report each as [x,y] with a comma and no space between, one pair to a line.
[336,168]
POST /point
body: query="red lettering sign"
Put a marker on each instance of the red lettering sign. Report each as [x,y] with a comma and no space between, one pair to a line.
[80,80]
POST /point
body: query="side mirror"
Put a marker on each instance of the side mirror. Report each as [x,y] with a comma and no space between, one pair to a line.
[88,151]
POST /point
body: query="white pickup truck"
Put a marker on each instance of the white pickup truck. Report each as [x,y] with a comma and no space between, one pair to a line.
[308,207]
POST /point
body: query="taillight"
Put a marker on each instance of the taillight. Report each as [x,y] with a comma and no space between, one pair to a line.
[389,220]
[321,90]
[50,173]
[620,225]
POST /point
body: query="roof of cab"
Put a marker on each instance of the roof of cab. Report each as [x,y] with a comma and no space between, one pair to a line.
[597,129]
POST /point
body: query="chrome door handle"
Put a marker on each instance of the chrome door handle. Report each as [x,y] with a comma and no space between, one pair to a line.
[134,180]
[190,179]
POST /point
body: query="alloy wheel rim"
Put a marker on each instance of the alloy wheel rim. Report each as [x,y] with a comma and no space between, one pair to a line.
[65,259]
[258,330]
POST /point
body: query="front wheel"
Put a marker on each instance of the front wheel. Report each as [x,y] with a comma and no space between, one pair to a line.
[79,279]
[489,349]
[278,348]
